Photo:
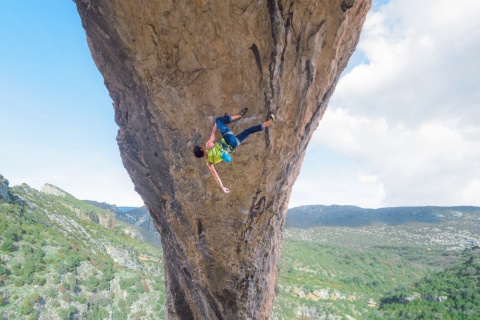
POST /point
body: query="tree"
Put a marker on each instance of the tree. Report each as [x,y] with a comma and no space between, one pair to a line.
[7,245]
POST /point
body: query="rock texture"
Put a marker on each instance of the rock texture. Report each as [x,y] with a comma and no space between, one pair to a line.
[52,190]
[171,67]
[4,190]
[102,217]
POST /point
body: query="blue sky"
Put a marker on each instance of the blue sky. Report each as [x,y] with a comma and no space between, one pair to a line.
[57,123]
[401,129]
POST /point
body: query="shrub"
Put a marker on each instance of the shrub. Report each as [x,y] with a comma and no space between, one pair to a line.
[103,313]
[64,313]
[139,287]
[127,283]
[72,309]
[13,232]
[60,268]
[4,271]
[26,307]
[103,285]
[71,262]
[157,284]
[19,282]
[104,302]
[39,281]
[51,293]
[7,245]
[35,297]
[108,275]
[145,287]
[92,283]
[56,279]
[3,278]
[66,297]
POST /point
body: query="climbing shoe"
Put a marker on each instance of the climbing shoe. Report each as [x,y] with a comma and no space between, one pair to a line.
[272,116]
[243,112]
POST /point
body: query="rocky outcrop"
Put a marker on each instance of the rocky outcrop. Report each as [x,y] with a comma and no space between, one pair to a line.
[5,195]
[171,67]
[52,190]
[102,217]
[133,233]
[123,257]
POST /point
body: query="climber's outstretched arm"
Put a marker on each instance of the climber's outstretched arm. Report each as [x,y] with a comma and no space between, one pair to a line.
[211,142]
[217,178]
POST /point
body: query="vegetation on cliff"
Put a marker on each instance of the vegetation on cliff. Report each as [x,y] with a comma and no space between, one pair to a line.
[59,262]
[449,294]
[352,263]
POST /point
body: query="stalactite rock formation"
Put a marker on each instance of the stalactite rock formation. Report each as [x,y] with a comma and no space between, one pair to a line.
[172,67]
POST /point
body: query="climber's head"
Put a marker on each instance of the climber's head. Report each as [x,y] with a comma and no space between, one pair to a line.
[199,152]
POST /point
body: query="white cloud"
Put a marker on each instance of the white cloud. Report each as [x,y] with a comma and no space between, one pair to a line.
[429,164]
[337,185]
[421,63]
[407,116]
[471,191]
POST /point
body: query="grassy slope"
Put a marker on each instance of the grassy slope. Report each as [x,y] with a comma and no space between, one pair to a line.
[58,264]
[336,278]
[55,265]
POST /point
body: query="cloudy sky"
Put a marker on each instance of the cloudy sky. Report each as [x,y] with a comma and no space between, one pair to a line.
[402,128]
[403,125]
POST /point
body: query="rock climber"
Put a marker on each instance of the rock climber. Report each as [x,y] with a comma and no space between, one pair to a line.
[216,152]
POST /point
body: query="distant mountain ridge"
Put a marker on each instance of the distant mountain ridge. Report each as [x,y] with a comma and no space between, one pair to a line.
[352,216]
[310,216]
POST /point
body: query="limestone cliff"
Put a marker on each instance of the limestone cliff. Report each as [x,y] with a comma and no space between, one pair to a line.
[171,67]
[52,190]
[5,195]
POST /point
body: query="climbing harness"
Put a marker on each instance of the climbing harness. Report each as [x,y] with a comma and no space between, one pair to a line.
[226,146]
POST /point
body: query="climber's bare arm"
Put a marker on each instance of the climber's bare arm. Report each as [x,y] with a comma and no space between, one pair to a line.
[211,142]
[217,178]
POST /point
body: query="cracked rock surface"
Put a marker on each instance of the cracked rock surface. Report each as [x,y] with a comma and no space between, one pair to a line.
[171,68]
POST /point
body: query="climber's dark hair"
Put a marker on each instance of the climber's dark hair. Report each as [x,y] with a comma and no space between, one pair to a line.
[199,153]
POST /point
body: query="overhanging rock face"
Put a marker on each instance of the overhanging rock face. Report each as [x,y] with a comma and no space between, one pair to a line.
[171,67]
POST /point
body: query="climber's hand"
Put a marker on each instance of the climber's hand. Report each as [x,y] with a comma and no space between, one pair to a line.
[226,190]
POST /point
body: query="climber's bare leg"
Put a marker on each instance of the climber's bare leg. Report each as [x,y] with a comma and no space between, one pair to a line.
[267,123]
[270,121]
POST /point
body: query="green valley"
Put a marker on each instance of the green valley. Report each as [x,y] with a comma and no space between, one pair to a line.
[343,262]
[63,258]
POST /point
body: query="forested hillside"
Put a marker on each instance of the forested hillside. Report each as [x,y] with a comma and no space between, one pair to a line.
[59,262]
[345,262]
[449,294]
[62,258]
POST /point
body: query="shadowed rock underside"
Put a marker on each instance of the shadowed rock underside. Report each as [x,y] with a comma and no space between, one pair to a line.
[171,68]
